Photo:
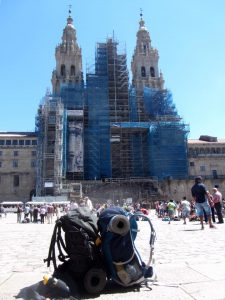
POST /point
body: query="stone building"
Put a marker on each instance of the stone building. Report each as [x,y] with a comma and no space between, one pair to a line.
[17,165]
[207,157]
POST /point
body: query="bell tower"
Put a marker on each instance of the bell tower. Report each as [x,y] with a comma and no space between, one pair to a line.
[68,59]
[144,65]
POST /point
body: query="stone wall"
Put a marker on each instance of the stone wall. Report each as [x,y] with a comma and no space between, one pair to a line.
[177,189]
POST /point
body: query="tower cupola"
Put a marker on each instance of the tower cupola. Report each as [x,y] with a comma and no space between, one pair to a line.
[68,59]
[144,63]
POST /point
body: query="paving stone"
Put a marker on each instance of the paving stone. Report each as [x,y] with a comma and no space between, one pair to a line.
[189,262]
[210,290]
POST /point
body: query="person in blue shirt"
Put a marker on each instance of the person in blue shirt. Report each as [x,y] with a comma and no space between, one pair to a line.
[201,196]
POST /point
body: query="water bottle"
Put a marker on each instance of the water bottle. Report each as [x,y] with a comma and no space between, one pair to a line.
[56,287]
[134,271]
[131,271]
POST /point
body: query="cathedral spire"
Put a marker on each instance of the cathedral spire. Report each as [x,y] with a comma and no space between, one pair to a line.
[70,19]
[141,22]
[68,58]
[144,63]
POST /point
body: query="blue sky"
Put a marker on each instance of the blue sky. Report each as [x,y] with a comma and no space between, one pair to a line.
[189,35]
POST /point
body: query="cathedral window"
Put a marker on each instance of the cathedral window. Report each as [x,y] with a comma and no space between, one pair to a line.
[152,72]
[72,71]
[144,49]
[63,70]
[143,72]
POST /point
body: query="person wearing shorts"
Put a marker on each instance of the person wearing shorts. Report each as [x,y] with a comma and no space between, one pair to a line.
[185,207]
[171,206]
[201,195]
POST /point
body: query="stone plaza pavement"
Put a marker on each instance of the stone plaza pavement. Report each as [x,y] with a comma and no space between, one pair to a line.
[189,262]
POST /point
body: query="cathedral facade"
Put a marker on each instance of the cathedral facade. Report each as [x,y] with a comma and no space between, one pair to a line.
[106,127]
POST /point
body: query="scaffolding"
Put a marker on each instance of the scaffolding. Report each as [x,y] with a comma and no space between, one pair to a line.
[168,150]
[49,127]
[129,141]
[96,135]
[126,133]
[73,98]
[158,104]
[107,102]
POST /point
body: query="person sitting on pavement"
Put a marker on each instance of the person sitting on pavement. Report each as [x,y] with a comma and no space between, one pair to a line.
[201,196]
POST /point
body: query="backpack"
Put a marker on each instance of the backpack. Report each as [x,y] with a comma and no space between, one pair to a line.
[78,249]
[123,262]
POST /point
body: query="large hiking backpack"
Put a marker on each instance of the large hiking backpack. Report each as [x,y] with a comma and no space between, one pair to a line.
[78,249]
[118,230]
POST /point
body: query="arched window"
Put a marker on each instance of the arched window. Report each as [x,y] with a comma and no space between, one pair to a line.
[144,49]
[152,72]
[63,70]
[72,70]
[143,72]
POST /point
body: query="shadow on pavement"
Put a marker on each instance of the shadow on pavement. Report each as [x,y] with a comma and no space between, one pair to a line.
[38,291]
[196,229]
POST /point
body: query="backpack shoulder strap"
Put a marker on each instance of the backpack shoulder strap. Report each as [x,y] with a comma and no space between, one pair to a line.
[51,252]
[61,245]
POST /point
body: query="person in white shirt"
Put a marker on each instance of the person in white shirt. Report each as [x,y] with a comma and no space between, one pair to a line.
[42,214]
[217,200]
[88,203]
[73,205]
[185,207]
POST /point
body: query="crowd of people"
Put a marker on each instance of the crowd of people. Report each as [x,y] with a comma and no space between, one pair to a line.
[32,213]
[204,206]
[48,213]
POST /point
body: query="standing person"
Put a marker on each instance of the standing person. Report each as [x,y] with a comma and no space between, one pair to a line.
[26,211]
[35,214]
[211,203]
[171,206]
[217,200]
[201,196]
[31,213]
[3,211]
[50,210]
[57,211]
[185,207]
[19,214]
[88,203]
[42,214]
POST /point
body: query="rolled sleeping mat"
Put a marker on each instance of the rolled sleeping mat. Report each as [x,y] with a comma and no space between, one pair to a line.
[95,280]
[119,224]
